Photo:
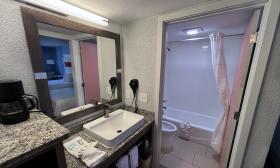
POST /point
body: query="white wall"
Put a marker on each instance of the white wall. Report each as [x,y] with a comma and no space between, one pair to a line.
[14,56]
[106,49]
[139,51]
[189,80]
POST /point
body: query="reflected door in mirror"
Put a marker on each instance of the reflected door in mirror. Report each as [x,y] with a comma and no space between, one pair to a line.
[89,60]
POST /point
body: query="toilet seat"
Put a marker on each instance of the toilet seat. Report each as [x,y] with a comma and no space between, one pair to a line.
[168,127]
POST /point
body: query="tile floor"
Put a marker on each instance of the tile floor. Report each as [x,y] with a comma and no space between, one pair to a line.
[188,154]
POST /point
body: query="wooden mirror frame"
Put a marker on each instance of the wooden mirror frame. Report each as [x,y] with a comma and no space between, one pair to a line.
[30,18]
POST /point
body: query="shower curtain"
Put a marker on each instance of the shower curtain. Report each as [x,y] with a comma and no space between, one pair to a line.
[220,72]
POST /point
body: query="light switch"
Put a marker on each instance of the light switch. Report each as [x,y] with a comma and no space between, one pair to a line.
[144,97]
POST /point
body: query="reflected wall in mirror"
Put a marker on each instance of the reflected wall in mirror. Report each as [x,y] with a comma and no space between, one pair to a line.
[80,67]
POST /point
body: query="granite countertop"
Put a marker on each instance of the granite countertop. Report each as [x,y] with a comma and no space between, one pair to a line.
[72,162]
[19,141]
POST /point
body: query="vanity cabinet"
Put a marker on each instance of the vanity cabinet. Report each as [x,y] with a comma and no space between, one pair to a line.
[137,139]
[54,157]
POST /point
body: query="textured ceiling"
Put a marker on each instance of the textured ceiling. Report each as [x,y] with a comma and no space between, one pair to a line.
[227,23]
[122,11]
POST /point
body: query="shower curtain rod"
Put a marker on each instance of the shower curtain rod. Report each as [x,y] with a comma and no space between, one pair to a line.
[202,38]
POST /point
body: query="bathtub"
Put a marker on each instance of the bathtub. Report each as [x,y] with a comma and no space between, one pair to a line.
[202,126]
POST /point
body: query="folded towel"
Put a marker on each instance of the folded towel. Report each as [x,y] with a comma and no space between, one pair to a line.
[90,155]
[74,146]
[133,157]
[123,162]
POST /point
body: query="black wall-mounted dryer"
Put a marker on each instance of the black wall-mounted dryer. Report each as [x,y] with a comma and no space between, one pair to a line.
[134,84]
[113,83]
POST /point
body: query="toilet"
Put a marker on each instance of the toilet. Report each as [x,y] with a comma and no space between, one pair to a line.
[168,132]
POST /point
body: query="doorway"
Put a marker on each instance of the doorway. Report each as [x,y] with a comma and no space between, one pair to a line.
[207,62]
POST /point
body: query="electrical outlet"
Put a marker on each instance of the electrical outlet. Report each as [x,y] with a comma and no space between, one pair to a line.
[108,90]
[144,97]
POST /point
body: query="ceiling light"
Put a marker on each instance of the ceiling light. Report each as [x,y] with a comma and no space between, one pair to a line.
[68,9]
[205,47]
[193,31]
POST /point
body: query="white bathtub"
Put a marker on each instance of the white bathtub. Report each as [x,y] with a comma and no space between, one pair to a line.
[202,126]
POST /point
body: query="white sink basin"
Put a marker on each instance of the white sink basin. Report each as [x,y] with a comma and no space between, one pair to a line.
[114,129]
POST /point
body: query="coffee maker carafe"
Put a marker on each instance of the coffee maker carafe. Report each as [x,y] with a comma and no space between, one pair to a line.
[14,105]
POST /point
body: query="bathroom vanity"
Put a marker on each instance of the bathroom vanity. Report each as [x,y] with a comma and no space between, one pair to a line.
[136,138]
[39,141]
[32,143]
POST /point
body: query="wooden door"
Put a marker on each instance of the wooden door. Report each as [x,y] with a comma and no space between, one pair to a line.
[241,75]
[90,72]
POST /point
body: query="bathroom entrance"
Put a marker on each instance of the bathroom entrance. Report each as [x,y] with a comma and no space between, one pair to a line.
[207,62]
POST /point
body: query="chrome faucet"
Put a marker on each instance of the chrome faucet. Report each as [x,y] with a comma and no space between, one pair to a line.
[107,112]
[109,108]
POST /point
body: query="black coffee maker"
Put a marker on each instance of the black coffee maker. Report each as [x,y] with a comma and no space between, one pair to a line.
[14,104]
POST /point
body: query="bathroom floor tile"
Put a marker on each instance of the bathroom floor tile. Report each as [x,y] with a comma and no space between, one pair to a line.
[183,154]
[189,146]
[170,161]
[204,162]
[161,166]
[188,154]
[211,154]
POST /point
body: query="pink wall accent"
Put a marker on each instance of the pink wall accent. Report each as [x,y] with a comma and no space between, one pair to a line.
[238,86]
[90,71]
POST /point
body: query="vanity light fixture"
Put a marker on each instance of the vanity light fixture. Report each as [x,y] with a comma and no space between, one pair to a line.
[65,8]
[193,31]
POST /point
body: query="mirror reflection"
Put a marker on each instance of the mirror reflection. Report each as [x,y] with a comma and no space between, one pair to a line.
[80,68]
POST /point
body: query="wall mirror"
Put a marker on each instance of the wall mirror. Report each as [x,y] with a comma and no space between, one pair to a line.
[76,67]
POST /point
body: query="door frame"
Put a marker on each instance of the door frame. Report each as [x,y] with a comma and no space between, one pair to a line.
[268,24]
